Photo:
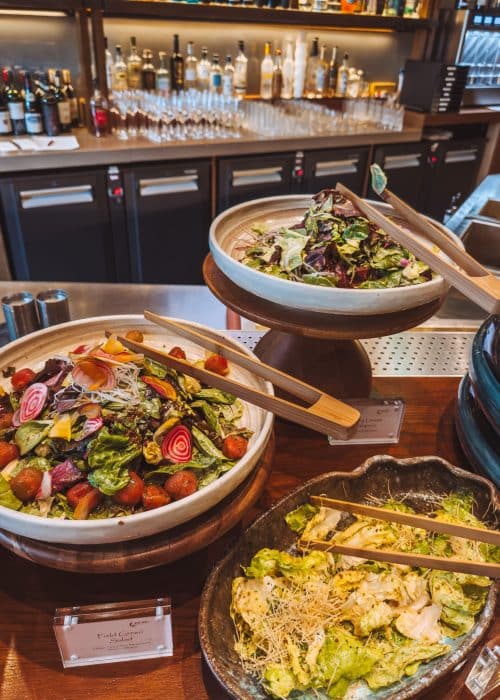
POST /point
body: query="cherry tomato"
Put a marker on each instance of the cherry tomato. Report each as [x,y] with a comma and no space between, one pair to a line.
[181,484]
[234,446]
[177,352]
[154,496]
[87,503]
[25,484]
[136,336]
[8,452]
[77,492]
[22,378]
[6,420]
[130,494]
[217,363]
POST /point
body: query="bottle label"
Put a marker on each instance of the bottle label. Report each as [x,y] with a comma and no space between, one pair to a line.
[203,72]
[216,80]
[64,111]
[227,85]
[190,75]
[320,80]
[163,85]
[5,123]
[16,110]
[33,122]
[73,105]
[120,80]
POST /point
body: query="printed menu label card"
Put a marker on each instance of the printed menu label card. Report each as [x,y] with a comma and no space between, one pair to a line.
[380,422]
[100,634]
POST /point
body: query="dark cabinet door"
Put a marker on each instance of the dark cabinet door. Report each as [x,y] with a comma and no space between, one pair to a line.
[451,174]
[404,165]
[168,217]
[251,177]
[57,227]
[323,169]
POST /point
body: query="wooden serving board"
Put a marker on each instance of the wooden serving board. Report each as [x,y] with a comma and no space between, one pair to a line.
[163,548]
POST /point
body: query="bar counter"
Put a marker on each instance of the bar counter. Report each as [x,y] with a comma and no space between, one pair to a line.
[111,151]
[30,593]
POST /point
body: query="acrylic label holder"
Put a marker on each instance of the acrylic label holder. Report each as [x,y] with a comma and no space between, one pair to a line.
[112,632]
[380,422]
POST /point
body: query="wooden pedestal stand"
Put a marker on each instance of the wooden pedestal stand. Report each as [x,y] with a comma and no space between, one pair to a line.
[321,349]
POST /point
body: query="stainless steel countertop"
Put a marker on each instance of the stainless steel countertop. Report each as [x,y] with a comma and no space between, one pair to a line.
[489,188]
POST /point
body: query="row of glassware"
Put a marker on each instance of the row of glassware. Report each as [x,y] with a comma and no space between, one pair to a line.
[195,115]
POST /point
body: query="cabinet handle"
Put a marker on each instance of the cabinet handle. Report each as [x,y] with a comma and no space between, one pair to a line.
[406,160]
[336,167]
[168,185]
[257,176]
[462,156]
[56,196]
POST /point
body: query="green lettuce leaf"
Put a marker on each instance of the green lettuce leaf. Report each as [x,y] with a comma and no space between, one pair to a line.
[204,444]
[215,396]
[403,660]
[108,456]
[279,680]
[154,369]
[7,498]
[343,656]
[297,519]
[29,434]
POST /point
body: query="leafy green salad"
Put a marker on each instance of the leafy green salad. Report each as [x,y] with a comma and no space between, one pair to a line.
[105,432]
[334,246]
[322,625]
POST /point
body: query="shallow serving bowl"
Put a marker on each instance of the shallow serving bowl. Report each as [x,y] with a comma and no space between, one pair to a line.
[32,351]
[418,480]
[230,231]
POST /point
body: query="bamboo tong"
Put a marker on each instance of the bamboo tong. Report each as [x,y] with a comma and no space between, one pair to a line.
[326,414]
[408,558]
[461,270]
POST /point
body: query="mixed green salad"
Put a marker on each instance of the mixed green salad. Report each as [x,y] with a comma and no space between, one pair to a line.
[322,625]
[334,246]
[105,432]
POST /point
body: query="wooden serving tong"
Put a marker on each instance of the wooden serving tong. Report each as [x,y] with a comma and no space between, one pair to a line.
[327,414]
[432,562]
[463,272]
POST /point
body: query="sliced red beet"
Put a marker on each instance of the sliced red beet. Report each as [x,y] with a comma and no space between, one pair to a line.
[177,445]
[33,402]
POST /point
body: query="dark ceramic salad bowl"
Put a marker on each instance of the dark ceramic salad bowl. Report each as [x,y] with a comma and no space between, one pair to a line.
[419,480]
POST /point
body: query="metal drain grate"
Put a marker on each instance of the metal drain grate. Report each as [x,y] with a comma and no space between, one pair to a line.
[412,354]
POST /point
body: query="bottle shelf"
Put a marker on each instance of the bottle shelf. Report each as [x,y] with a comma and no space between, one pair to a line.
[259,15]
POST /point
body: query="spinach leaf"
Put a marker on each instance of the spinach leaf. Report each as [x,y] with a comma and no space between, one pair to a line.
[108,456]
[7,498]
[204,443]
[29,434]
[155,368]
[210,416]
[199,462]
[215,396]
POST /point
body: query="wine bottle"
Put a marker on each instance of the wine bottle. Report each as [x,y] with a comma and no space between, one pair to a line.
[32,113]
[71,95]
[50,111]
[99,112]
[177,66]
[332,73]
[63,106]
[5,122]
[15,105]
[277,81]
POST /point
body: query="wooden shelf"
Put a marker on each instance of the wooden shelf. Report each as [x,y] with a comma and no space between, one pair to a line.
[259,15]
[41,5]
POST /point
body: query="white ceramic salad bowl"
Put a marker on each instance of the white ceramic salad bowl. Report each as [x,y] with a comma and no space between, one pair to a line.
[231,229]
[32,351]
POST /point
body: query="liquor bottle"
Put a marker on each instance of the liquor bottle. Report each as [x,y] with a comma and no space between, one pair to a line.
[299,74]
[108,60]
[215,75]
[5,122]
[16,106]
[134,66]
[177,67]
[203,70]
[148,72]
[63,105]
[240,71]
[343,76]
[353,83]
[277,82]
[32,113]
[119,70]
[71,95]
[163,76]
[322,73]
[99,112]
[288,72]
[190,74]
[228,77]
[351,5]
[332,73]
[50,111]
[266,73]
[312,67]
